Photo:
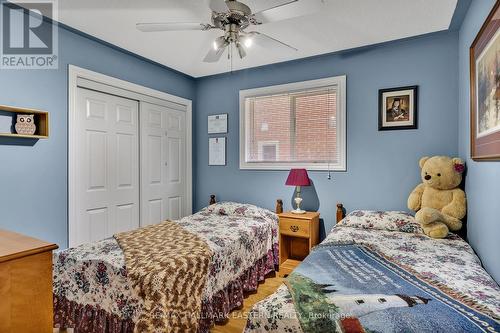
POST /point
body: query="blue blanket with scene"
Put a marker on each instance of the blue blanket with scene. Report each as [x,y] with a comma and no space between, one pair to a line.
[350,288]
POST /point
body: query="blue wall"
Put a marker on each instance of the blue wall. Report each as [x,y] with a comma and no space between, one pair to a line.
[483,178]
[382,167]
[33,183]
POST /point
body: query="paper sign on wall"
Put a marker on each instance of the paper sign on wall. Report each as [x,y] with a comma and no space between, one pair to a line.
[217,123]
[217,151]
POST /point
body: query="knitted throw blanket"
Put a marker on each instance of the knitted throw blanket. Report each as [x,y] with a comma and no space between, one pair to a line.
[169,266]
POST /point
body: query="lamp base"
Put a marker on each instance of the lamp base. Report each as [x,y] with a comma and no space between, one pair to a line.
[298,201]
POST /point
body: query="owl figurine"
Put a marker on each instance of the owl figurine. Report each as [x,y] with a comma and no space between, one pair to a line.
[25,124]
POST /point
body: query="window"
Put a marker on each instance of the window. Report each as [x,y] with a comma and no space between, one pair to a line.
[296,125]
[268,150]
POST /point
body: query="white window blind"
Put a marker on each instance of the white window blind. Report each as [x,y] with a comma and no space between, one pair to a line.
[295,125]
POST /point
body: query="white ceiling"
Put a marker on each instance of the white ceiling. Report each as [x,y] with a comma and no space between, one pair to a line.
[324,26]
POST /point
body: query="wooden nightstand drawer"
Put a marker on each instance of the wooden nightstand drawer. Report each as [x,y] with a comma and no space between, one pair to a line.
[294,227]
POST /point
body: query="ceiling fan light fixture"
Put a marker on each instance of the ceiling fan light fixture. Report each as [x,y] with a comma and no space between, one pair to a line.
[241,50]
[219,43]
[248,42]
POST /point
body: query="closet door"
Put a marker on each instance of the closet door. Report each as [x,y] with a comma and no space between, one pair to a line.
[163,163]
[107,166]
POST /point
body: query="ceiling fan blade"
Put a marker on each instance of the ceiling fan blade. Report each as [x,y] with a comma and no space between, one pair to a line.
[268,42]
[269,14]
[218,6]
[214,55]
[172,26]
[271,4]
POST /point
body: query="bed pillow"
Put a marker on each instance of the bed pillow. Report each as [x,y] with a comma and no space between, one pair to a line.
[382,220]
[238,209]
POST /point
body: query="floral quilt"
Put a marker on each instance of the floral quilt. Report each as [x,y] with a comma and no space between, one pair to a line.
[92,278]
[448,264]
[382,220]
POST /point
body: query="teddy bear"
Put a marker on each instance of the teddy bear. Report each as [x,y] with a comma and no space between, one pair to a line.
[438,202]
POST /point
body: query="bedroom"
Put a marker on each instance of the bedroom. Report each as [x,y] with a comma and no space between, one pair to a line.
[372,56]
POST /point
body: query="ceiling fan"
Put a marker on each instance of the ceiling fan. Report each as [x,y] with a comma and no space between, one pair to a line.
[232,17]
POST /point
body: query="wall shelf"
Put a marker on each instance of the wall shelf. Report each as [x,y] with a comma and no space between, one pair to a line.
[41,121]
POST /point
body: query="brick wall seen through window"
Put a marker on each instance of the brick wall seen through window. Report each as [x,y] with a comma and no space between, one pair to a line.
[293,127]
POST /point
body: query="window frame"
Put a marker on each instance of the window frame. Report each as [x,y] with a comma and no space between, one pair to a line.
[341,118]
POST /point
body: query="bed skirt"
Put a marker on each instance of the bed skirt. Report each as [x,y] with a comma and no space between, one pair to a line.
[93,319]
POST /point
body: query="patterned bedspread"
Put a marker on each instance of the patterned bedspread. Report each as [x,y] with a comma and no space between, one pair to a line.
[449,265]
[93,292]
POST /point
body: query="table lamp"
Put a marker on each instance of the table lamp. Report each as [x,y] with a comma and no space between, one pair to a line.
[298,178]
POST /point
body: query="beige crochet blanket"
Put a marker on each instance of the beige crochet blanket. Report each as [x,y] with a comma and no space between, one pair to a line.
[169,266]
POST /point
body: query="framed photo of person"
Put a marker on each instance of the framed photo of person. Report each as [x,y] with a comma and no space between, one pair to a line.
[485,90]
[398,108]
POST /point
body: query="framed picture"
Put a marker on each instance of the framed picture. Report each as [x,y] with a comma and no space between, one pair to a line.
[217,151]
[398,108]
[485,90]
[217,123]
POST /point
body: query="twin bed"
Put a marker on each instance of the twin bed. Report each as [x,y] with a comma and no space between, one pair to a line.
[94,292]
[375,272]
[378,272]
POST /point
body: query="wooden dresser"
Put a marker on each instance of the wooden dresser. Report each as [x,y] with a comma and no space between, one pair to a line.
[25,284]
[299,233]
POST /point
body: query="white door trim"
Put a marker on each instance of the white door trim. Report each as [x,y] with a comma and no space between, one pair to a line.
[128,90]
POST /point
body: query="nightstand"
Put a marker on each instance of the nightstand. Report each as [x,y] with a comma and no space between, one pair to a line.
[298,234]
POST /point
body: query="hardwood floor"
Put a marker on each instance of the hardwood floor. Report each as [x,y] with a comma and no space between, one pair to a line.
[238,318]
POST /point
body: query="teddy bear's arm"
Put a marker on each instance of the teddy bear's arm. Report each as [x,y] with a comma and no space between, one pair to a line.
[457,206]
[415,198]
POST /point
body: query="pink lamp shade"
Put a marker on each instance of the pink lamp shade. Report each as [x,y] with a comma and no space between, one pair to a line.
[298,177]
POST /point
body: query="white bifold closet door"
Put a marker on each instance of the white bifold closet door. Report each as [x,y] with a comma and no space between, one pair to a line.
[107,165]
[163,163]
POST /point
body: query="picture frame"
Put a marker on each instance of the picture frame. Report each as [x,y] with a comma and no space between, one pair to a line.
[217,123]
[398,108]
[485,90]
[217,151]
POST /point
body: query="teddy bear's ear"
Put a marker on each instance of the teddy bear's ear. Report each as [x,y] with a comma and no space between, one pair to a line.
[422,161]
[458,164]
